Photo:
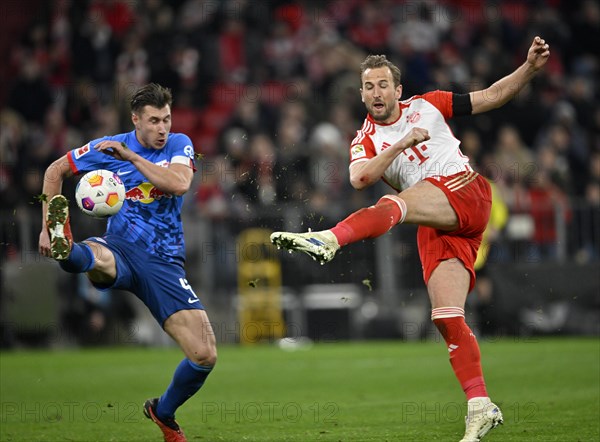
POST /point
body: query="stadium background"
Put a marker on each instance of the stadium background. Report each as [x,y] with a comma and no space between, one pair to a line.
[268,92]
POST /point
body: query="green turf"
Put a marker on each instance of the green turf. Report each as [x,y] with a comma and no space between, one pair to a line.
[549,390]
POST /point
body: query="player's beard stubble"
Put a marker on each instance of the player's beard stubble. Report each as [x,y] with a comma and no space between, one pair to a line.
[380,115]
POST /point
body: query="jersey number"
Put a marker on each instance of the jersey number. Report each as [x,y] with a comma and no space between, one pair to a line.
[187,286]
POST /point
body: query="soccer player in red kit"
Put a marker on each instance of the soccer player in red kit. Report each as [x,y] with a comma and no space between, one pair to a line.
[409,145]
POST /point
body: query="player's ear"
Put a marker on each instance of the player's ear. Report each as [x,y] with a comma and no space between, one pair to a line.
[398,91]
[134,118]
[362,98]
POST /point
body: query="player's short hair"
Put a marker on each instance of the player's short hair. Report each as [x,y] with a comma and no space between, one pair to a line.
[379,61]
[151,95]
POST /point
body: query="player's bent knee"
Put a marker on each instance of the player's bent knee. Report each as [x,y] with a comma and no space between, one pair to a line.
[105,260]
[205,356]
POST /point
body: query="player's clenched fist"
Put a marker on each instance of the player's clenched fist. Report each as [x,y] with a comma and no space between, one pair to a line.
[538,53]
[415,136]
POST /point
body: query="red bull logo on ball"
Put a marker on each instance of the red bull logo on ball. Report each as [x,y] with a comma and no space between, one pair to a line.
[145,193]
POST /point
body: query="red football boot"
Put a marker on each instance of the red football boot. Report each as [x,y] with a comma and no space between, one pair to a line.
[169,427]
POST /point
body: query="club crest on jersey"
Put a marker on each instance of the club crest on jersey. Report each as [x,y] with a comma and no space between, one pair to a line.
[413,117]
[82,151]
[358,151]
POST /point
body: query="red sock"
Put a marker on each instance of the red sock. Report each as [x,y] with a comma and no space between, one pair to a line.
[371,222]
[465,357]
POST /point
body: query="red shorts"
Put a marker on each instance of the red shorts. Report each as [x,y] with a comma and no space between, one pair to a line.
[470,196]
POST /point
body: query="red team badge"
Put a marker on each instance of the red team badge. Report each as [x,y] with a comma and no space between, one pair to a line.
[413,117]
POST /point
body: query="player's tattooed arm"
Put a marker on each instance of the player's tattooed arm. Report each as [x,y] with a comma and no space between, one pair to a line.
[53,179]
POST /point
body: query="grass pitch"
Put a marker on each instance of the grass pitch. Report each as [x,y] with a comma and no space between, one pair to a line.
[548,389]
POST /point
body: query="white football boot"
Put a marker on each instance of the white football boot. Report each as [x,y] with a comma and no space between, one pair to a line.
[321,246]
[482,416]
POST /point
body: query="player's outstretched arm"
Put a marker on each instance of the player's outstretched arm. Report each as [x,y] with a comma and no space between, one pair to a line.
[53,179]
[506,88]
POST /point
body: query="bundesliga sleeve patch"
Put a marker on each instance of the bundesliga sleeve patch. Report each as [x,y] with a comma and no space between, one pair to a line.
[82,151]
[357,151]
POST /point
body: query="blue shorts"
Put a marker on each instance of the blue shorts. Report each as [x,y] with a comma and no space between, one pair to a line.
[160,284]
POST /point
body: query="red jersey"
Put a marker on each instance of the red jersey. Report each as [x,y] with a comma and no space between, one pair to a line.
[438,156]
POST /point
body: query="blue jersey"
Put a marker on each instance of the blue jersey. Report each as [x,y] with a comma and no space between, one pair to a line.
[149,217]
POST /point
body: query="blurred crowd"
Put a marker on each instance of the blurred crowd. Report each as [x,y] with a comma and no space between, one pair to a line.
[269,94]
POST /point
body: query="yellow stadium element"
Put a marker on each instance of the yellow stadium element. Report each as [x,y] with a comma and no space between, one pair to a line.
[498,219]
[259,288]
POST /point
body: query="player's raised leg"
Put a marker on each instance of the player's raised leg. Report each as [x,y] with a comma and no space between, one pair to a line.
[369,222]
[423,204]
[448,287]
[191,329]
[83,257]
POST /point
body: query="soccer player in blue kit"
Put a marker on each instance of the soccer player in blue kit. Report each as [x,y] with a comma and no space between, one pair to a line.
[143,249]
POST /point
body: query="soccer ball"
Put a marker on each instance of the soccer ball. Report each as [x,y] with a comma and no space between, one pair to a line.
[100,193]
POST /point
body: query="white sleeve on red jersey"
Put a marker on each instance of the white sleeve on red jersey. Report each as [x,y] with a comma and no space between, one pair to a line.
[362,147]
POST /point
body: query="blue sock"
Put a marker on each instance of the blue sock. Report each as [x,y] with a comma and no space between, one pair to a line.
[80,260]
[187,380]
